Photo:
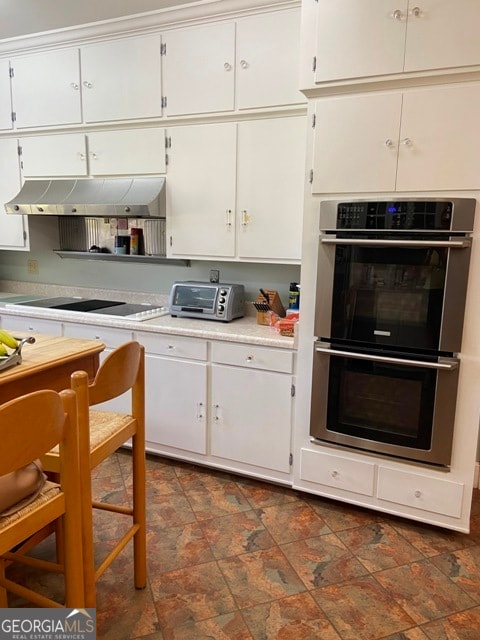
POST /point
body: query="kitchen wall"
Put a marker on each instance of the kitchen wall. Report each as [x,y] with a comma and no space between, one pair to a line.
[143,278]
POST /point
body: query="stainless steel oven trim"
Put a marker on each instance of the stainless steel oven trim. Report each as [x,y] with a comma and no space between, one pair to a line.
[446,364]
[370,242]
[442,424]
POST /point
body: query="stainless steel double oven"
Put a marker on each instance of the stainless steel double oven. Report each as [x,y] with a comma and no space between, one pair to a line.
[391,288]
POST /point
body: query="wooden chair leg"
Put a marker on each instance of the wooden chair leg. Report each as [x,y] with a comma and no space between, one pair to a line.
[139,514]
[3,592]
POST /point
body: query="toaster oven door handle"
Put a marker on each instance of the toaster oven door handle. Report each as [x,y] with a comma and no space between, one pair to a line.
[462,243]
[445,364]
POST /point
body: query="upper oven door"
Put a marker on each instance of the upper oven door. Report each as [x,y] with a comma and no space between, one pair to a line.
[405,292]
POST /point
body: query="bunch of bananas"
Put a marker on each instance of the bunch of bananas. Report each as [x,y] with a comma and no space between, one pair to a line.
[7,340]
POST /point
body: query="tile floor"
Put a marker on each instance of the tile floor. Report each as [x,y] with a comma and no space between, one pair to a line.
[231,558]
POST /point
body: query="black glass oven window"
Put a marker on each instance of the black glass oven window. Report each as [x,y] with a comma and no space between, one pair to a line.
[381,402]
[389,295]
[195,297]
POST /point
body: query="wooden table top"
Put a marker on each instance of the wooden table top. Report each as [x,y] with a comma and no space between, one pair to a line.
[48,364]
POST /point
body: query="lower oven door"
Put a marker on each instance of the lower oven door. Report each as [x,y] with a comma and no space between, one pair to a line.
[403,407]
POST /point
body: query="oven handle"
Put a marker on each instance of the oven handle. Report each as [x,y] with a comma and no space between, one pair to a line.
[445,365]
[451,244]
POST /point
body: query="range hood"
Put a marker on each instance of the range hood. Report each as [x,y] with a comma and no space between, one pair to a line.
[106,198]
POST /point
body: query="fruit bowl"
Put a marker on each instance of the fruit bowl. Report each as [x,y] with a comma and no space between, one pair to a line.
[16,356]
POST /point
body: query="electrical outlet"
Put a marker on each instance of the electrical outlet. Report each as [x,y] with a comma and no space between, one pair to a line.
[32,267]
[214,275]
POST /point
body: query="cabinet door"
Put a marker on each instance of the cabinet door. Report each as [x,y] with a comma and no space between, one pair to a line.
[55,155]
[355,143]
[5,96]
[176,403]
[12,227]
[46,89]
[251,416]
[200,69]
[358,39]
[201,190]
[138,151]
[270,175]
[121,80]
[440,139]
[442,34]
[267,60]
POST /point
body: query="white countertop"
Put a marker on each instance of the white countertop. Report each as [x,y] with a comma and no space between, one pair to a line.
[245,330]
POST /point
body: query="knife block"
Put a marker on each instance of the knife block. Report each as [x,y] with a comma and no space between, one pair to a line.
[263,317]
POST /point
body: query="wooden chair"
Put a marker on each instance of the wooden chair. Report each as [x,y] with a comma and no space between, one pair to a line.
[101,434]
[30,426]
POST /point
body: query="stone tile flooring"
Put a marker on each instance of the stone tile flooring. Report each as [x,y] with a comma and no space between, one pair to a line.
[231,558]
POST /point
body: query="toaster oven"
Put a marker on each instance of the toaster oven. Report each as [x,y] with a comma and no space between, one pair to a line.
[207,300]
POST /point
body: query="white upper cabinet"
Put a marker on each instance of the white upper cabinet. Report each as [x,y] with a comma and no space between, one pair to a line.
[12,227]
[121,79]
[356,39]
[200,69]
[410,141]
[270,185]
[201,190]
[54,155]
[46,89]
[135,151]
[380,37]
[5,96]
[267,60]
[236,190]
[250,63]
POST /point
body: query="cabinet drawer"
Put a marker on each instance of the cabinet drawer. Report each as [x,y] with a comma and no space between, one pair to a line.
[419,491]
[110,337]
[242,355]
[24,326]
[337,471]
[167,345]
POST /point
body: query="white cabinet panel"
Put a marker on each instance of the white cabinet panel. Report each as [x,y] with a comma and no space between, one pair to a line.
[357,39]
[270,185]
[200,69]
[121,79]
[138,151]
[252,357]
[442,34]
[46,89]
[5,96]
[12,228]
[337,471]
[21,326]
[439,145]
[176,403]
[420,491]
[267,60]
[355,143]
[173,346]
[54,155]
[251,416]
[201,190]
[110,336]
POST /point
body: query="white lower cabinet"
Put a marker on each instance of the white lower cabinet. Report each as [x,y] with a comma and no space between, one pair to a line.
[420,491]
[176,388]
[22,326]
[337,471]
[251,406]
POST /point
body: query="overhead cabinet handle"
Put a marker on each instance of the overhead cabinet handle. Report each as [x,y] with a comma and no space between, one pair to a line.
[445,364]
[462,243]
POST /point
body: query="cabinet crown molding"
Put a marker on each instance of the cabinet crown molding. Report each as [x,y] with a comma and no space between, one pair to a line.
[188,14]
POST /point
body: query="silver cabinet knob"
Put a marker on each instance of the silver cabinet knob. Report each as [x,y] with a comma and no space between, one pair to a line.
[244,64]
[81,156]
[397,14]
[227,66]
[418,494]
[75,86]
[335,474]
[416,11]
[94,155]
[389,142]
[249,358]
[407,142]
[88,85]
